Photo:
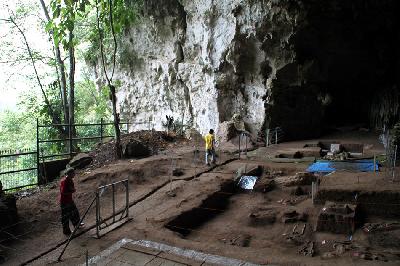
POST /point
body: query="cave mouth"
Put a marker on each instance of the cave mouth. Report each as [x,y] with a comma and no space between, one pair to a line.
[356,48]
[348,55]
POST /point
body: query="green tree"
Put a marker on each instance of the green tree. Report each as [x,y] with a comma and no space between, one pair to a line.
[112,16]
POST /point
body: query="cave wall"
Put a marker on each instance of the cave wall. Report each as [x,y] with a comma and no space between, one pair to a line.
[204,60]
[295,64]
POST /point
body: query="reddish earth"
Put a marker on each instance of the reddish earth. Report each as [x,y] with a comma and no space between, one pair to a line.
[242,225]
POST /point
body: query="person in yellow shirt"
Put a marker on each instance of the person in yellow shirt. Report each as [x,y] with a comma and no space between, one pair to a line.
[210,146]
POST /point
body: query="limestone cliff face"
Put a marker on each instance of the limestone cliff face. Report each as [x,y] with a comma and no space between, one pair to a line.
[201,61]
[274,62]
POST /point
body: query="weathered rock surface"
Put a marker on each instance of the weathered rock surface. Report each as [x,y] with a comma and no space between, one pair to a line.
[292,64]
[202,61]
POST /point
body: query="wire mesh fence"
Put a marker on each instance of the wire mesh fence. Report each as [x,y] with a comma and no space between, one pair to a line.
[18,168]
[64,140]
[21,168]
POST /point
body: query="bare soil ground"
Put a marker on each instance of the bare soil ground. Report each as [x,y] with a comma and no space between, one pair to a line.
[246,225]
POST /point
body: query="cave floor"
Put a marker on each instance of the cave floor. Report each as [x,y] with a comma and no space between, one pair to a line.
[242,225]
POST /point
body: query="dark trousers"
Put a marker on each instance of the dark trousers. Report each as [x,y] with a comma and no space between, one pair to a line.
[210,152]
[69,212]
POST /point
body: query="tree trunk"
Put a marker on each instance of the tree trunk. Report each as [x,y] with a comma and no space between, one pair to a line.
[63,84]
[71,82]
[118,149]
[60,68]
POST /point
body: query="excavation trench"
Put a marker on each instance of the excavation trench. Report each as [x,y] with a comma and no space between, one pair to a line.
[212,206]
[131,204]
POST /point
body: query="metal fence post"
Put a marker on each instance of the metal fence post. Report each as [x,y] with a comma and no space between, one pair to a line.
[239,143]
[182,129]
[312,192]
[149,124]
[276,135]
[97,213]
[267,137]
[70,137]
[101,130]
[113,201]
[394,163]
[37,150]
[127,198]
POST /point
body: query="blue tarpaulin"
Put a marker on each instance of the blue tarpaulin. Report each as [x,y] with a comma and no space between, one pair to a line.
[330,166]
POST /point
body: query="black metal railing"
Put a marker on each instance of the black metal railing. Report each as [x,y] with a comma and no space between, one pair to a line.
[21,168]
[78,140]
[18,168]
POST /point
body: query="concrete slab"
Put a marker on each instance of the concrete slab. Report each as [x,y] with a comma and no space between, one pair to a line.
[163,262]
[149,253]
[135,257]
[142,249]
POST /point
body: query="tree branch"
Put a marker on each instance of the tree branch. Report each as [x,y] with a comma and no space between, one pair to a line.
[52,114]
[101,43]
[59,68]
[114,38]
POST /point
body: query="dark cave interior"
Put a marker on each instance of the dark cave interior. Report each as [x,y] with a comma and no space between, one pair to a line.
[347,50]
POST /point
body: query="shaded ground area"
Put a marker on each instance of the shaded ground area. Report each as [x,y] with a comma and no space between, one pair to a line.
[272,224]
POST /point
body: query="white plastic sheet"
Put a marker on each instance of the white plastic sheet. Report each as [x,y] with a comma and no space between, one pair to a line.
[247,182]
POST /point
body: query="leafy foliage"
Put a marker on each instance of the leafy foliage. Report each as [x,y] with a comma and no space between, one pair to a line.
[80,15]
[92,102]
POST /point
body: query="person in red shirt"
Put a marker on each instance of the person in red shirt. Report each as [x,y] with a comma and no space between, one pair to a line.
[68,207]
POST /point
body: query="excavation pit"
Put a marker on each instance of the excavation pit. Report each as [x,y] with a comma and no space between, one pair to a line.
[211,207]
[338,218]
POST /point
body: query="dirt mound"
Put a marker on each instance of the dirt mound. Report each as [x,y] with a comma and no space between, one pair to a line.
[154,141]
[80,161]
